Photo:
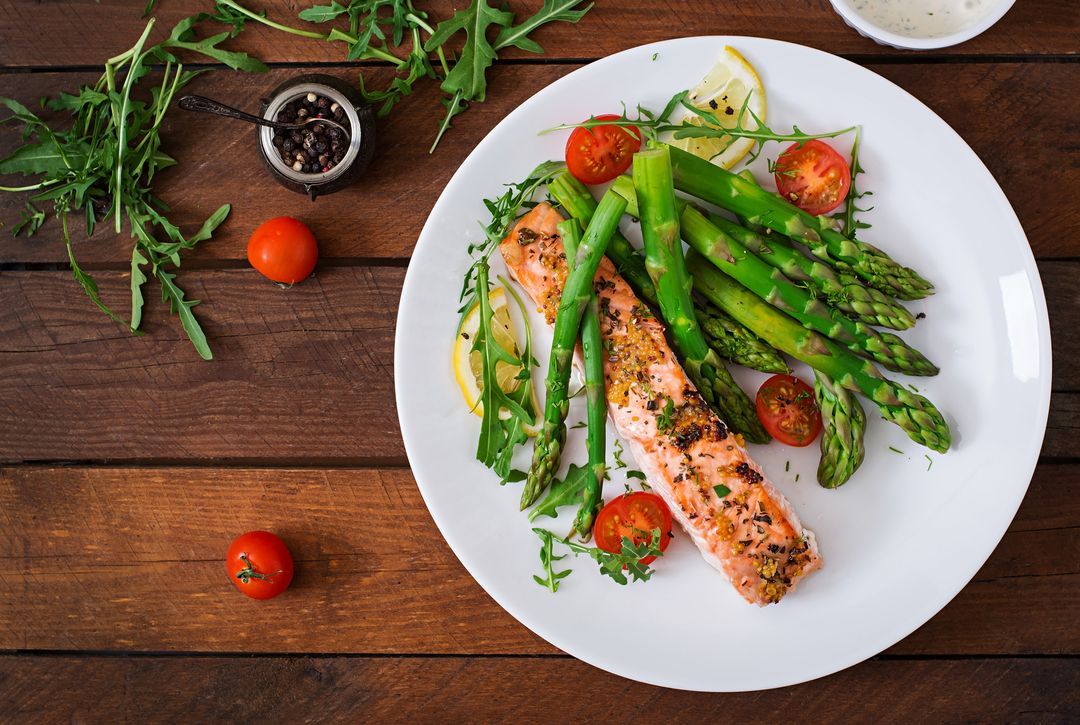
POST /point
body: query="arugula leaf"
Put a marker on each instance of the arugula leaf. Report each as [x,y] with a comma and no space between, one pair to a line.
[175,297]
[477,53]
[551,11]
[551,578]
[42,158]
[30,221]
[322,13]
[138,279]
[614,565]
[851,225]
[565,492]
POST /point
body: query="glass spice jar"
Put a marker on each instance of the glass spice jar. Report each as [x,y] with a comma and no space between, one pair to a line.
[316,166]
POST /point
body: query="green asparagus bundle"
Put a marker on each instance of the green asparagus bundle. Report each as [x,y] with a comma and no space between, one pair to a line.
[731,341]
[667,268]
[770,284]
[843,426]
[710,183]
[592,349]
[916,415]
[727,338]
[575,297]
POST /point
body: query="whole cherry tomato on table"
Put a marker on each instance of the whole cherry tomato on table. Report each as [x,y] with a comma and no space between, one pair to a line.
[259,564]
[284,250]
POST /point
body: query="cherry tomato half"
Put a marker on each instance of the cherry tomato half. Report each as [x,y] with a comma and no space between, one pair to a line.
[599,154]
[788,410]
[259,564]
[633,515]
[813,177]
[284,250]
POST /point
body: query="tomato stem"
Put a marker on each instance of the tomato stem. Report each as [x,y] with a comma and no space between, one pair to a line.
[248,572]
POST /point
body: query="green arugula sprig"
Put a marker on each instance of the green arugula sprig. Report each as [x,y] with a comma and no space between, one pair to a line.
[628,560]
[500,436]
[851,225]
[653,125]
[381,29]
[103,164]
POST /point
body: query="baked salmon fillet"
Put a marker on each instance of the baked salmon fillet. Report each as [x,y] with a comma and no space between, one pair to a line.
[741,524]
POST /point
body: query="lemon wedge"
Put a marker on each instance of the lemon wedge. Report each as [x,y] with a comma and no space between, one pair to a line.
[467,363]
[722,92]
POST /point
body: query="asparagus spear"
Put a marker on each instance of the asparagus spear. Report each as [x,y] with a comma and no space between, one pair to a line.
[710,183]
[843,290]
[667,269]
[728,338]
[595,395]
[770,284]
[916,415]
[731,341]
[575,296]
[576,199]
[844,424]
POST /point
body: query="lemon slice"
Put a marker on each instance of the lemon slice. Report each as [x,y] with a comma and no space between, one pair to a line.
[722,92]
[468,363]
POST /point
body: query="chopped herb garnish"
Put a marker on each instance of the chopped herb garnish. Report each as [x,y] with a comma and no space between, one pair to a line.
[929,462]
[579,424]
[721,490]
[616,453]
[896,450]
[796,478]
[787,466]
[635,474]
[614,565]
[665,419]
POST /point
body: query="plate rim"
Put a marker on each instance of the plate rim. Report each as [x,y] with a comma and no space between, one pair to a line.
[1030,269]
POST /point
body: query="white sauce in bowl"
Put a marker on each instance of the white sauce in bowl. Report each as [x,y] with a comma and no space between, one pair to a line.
[924,18]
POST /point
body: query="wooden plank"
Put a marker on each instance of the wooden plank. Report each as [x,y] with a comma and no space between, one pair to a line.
[85,33]
[135,555]
[299,374]
[404,181]
[322,689]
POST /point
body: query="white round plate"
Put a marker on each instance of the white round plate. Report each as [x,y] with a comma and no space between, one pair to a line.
[902,537]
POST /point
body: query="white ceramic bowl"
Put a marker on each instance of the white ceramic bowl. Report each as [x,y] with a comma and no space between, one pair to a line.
[876,33]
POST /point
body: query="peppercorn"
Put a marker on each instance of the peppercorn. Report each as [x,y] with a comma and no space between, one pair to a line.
[297,166]
[321,146]
[288,145]
[311,97]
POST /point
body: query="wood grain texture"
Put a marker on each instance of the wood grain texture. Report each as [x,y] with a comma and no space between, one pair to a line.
[84,33]
[299,374]
[457,689]
[135,555]
[381,216]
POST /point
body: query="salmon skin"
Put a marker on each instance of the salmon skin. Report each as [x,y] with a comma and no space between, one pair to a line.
[741,524]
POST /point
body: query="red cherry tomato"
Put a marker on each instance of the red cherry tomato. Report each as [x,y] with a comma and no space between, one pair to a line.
[599,154]
[813,177]
[259,564]
[633,515]
[788,410]
[284,250]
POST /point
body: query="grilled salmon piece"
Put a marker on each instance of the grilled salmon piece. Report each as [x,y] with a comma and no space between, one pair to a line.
[741,524]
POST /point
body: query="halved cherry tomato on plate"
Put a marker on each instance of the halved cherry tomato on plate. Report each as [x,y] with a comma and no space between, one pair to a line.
[259,564]
[633,515]
[599,154]
[813,176]
[788,410]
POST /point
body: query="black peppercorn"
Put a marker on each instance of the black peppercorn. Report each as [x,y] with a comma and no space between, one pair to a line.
[288,145]
[321,146]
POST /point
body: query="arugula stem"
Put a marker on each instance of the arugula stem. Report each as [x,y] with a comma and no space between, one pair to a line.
[32,187]
[268,22]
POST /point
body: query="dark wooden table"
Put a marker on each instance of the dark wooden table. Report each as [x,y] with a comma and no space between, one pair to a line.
[129,464]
